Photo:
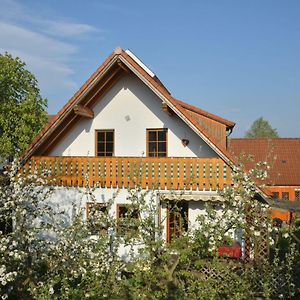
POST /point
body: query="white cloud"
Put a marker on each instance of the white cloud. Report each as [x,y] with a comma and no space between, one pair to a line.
[46,45]
[57,75]
[46,57]
[68,29]
[16,37]
[15,13]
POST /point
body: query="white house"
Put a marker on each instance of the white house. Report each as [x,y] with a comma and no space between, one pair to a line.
[123,128]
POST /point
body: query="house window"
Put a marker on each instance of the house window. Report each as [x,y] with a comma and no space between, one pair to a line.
[97,218]
[177,219]
[285,196]
[297,195]
[127,219]
[157,142]
[275,195]
[105,142]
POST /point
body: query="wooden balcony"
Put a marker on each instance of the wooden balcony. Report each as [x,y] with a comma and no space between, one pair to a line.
[175,173]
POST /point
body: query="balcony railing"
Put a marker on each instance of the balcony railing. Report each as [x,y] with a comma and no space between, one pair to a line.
[175,173]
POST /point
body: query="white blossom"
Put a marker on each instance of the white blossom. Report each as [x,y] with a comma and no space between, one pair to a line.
[51,290]
[286,235]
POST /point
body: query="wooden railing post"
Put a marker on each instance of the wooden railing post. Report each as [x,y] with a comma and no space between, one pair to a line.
[170,173]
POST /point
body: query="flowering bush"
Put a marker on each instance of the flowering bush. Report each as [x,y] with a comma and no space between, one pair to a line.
[45,257]
[239,216]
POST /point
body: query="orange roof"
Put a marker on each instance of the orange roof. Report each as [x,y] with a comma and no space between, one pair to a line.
[126,62]
[179,107]
[50,117]
[282,154]
[204,113]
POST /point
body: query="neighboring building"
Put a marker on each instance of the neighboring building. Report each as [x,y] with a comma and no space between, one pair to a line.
[283,156]
[124,128]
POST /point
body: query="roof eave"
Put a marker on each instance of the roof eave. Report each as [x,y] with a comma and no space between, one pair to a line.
[53,125]
[119,54]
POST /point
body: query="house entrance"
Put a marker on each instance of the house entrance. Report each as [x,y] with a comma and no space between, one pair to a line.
[177,219]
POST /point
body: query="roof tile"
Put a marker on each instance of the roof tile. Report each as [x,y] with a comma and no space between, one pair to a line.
[282,154]
[179,105]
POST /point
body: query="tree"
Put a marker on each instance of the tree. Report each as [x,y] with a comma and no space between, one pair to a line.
[22,109]
[261,128]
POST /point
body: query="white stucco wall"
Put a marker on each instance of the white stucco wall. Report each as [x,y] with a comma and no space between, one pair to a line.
[70,200]
[129,108]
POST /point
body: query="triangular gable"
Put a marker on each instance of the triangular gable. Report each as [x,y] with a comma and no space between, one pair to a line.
[104,77]
[120,61]
[106,72]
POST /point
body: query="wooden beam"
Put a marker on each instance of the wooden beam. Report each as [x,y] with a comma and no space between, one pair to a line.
[167,109]
[98,93]
[93,97]
[83,111]
[123,67]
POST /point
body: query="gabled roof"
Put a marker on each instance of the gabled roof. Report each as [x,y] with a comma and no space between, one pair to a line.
[282,154]
[117,63]
[229,124]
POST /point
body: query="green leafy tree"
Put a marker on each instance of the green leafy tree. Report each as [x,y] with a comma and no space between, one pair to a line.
[261,128]
[22,109]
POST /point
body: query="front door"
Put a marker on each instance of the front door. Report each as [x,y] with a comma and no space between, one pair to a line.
[177,219]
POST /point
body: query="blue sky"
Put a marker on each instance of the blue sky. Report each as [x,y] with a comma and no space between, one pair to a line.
[238,59]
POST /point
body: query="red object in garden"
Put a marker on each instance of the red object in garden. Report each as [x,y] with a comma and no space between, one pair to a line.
[233,251]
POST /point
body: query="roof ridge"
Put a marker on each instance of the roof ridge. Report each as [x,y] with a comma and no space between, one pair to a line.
[177,103]
[155,83]
[82,88]
[156,86]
